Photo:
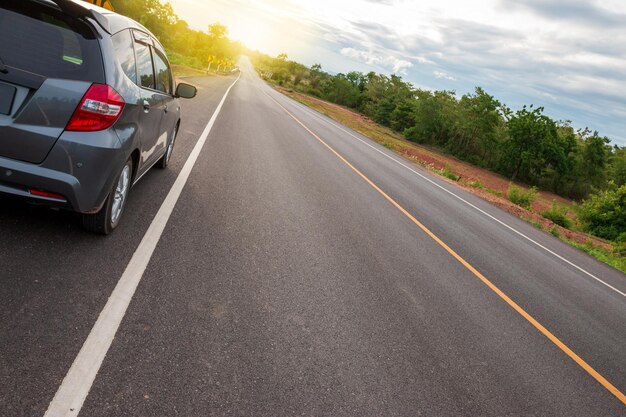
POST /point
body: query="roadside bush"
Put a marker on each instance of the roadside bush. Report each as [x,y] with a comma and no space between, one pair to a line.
[178,59]
[554,231]
[604,214]
[558,215]
[448,173]
[314,92]
[475,184]
[521,197]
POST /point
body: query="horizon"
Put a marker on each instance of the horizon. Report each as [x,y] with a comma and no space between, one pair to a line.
[530,52]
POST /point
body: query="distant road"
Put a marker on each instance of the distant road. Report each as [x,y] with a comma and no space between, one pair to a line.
[304,270]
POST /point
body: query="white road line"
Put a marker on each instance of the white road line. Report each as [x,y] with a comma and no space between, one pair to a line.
[316,115]
[75,387]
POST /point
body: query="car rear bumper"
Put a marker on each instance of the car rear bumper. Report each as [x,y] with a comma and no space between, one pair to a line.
[79,172]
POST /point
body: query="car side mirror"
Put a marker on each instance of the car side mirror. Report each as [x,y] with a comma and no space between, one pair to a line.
[185,90]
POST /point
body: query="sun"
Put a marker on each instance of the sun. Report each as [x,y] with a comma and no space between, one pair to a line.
[253,33]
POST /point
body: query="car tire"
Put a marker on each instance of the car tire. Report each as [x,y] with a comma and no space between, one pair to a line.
[165,160]
[108,218]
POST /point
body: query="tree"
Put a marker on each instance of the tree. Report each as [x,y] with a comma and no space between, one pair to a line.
[218,31]
[617,166]
[340,90]
[434,117]
[357,78]
[184,45]
[477,132]
[595,156]
[402,117]
[530,131]
[604,214]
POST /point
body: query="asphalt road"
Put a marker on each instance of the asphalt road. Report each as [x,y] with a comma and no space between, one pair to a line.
[285,284]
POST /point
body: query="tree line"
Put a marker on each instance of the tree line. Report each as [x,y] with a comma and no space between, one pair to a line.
[184,45]
[524,145]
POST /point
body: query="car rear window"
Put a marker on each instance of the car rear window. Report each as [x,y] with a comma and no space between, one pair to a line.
[44,41]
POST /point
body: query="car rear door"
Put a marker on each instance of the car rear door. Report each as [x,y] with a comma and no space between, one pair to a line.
[165,85]
[152,101]
[48,61]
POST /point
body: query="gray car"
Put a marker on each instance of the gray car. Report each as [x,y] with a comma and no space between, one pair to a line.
[88,104]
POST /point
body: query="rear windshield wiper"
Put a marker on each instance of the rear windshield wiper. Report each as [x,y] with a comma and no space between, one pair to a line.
[3,68]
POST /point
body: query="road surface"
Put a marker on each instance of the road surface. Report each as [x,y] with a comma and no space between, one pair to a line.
[305,270]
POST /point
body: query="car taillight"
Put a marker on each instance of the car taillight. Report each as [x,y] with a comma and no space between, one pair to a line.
[47,194]
[98,110]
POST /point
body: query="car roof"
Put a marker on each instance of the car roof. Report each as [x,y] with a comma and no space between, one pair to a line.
[115,22]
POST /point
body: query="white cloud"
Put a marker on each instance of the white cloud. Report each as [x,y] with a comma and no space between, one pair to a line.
[366,56]
[398,66]
[444,75]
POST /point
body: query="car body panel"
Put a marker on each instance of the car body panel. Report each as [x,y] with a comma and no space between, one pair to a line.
[79,171]
[36,122]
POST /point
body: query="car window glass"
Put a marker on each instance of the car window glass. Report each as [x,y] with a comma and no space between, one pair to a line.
[44,41]
[144,65]
[163,74]
[123,44]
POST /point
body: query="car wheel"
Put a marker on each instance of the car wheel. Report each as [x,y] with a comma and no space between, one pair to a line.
[109,216]
[165,160]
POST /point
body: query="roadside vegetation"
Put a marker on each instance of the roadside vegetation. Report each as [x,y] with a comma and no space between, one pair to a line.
[524,145]
[522,197]
[186,48]
[558,215]
[566,181]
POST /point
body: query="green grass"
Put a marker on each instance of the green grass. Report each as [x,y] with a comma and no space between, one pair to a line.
[387,145]
[616,260]
[192,62]
[182,71]
[477,184]
[532,222]
[448,173]
[558,215]
[521,197]
[554,231]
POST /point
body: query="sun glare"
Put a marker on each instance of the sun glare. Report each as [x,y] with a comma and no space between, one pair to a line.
[268,26]
[253,35]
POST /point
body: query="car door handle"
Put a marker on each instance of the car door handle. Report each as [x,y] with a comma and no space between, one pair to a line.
[165,109]
[146,106]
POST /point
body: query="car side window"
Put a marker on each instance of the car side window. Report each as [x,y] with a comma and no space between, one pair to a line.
[144,65]
[123,45]
[163,73]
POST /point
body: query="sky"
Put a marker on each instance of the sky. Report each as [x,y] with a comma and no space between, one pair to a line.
[568,56]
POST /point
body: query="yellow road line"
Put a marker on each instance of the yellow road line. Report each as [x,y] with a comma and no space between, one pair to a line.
[603,381]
